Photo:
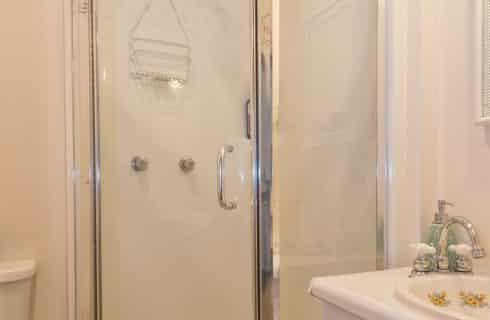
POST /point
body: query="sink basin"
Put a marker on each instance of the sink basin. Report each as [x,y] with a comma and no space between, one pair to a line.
[415,293]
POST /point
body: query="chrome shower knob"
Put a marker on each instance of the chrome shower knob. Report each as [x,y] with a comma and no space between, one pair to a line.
[139,164]
[187,165]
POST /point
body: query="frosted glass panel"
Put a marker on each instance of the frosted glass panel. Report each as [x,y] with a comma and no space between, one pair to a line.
[326,153]
[174,79]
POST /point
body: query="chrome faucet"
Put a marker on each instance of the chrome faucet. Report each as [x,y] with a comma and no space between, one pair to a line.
[442,257]
[430,259]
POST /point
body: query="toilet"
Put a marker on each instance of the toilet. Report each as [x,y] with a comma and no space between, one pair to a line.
[15,289]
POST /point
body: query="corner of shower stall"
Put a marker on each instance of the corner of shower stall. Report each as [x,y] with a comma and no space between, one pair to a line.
[222,165]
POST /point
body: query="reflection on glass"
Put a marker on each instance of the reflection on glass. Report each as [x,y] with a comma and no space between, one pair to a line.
[325,159]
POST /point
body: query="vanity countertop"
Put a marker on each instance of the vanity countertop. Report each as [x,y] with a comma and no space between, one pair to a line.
[370,296]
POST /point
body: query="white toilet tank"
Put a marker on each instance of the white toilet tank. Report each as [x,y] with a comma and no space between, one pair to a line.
[15,289]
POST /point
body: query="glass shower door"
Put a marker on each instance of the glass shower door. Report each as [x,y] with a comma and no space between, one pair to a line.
[174,80]
[326,147]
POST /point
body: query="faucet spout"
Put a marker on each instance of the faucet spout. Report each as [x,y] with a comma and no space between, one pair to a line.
[477,250]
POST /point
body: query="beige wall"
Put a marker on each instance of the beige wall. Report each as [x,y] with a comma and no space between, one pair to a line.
[463,151]
[413,89]
[32,168]
[446,153]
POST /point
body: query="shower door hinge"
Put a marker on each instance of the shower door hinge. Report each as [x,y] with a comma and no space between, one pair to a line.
[84,6]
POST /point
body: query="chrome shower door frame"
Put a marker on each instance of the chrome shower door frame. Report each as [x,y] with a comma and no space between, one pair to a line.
[86,176]
[85,53]
[266,286]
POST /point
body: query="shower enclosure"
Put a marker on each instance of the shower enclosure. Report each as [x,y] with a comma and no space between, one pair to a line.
[205,197]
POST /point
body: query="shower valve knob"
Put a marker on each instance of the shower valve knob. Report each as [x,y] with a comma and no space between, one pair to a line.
[139,164]
[187,165]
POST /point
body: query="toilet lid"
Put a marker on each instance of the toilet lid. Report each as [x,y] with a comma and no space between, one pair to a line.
[16,270]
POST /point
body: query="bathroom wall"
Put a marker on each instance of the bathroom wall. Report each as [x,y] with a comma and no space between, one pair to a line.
[413,88]
[32,131]
[446,153]
[463,151]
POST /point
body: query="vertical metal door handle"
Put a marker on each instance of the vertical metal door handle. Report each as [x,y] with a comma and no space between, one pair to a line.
[225,204]
[248,119]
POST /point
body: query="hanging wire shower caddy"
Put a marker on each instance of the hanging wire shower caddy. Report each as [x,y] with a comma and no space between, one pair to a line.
[161,57]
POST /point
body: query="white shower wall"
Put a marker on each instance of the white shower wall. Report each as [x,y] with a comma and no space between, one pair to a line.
[326,145]
[168,249]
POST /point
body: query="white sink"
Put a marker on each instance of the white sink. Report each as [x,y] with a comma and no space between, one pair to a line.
[415,294]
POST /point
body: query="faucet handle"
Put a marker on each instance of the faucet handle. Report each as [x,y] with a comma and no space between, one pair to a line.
[463,261]
[463,264]
[423,249]
[423,262]
[421,266]
[461,249]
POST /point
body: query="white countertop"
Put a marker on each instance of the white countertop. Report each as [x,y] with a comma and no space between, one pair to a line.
[370,296]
